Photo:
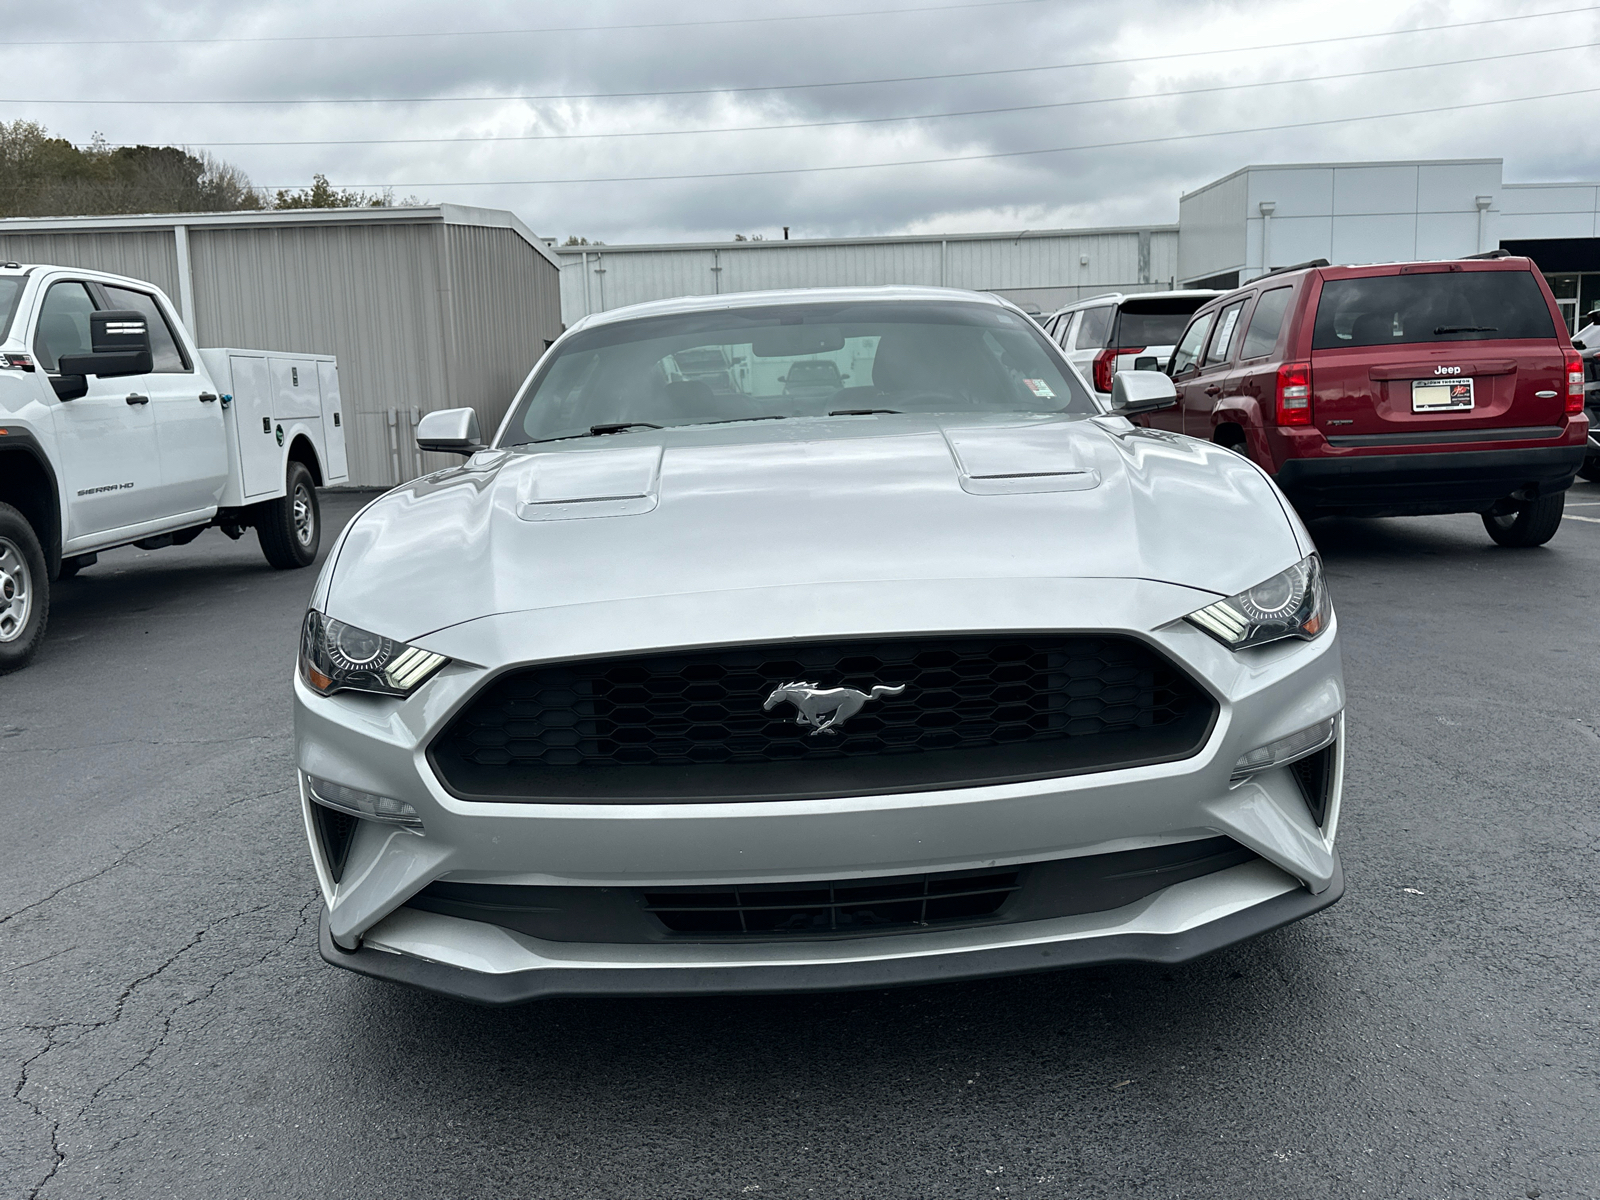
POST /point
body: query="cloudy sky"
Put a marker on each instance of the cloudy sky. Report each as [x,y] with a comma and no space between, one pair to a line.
[560,110]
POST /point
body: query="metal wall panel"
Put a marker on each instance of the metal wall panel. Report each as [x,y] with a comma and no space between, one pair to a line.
[505,308]
[368,293]
[148,254]
[1055,266]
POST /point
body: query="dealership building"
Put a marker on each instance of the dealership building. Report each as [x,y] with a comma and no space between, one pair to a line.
[445,305]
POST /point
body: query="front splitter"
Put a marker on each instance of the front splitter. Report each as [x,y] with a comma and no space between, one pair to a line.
[518,987]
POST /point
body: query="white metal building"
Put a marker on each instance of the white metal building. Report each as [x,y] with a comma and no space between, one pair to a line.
[1228,231]
[1041,269]
[429,307]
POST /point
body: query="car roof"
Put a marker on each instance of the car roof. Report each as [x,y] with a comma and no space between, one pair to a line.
[735,300]
[1201,294]
[82,272]
[1283,277]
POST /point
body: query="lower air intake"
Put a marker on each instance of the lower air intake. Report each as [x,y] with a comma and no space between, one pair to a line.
[853,906]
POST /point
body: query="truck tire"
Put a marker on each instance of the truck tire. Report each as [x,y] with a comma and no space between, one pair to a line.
[290,527]
[1531,524]
[24,591]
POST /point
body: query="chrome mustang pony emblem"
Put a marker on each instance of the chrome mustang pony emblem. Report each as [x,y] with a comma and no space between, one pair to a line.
[825,708]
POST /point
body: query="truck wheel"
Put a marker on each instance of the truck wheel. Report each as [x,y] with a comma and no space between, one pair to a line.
[24,591]
[1532,524]
[290,527]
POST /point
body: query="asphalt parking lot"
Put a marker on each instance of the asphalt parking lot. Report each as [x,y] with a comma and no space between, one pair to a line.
[168,1029]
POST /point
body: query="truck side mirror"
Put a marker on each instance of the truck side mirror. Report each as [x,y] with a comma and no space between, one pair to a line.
[120,338]
[450,431]
[1134,392]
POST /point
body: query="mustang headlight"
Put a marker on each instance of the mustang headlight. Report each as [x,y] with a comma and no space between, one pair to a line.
[335,656]
[1292,604]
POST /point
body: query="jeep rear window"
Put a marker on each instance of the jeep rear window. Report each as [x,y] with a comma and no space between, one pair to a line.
[1153,322]
[1454,306]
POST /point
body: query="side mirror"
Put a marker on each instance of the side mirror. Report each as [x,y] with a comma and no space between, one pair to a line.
[783,379]
[844,375]
[450,431]
[121,341]
[1147,362]
[1134,392]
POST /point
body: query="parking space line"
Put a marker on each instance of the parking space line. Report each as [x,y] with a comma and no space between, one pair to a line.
[1576,517]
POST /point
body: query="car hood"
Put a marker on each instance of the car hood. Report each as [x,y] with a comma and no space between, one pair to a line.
[809,502]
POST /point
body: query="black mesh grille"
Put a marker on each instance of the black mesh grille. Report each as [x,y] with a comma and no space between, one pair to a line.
[692,725]
[337,830]
[846,906]
[1314,773]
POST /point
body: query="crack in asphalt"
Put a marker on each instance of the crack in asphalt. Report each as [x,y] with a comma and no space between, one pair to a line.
[57,1156]
[130,852]
[85,1028]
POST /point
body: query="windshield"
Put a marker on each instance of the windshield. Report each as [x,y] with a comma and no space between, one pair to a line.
[10,289]
[1153,322]
[792,361]
[1439,306]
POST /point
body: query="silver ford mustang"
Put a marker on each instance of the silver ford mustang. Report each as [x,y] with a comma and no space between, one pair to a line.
[810,640]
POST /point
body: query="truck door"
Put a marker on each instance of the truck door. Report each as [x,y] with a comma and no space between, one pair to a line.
[107,438]
[260,460]
[332,421]
[188,414]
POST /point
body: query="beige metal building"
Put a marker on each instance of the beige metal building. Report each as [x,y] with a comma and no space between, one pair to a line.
[431,307]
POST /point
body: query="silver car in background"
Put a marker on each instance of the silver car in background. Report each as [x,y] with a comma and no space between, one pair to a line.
[948,670]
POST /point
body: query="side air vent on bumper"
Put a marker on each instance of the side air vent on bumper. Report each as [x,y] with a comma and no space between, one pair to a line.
[690,726]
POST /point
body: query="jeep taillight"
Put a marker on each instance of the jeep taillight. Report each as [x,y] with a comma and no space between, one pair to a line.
[1294,394]
[1104,367]
[1574,381]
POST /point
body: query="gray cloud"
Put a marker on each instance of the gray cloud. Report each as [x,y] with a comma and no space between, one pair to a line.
[1552,139]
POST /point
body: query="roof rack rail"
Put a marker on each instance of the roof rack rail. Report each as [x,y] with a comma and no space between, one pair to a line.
[1315,262]
[1490,254]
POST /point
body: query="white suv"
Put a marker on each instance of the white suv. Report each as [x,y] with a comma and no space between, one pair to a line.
[1106,334]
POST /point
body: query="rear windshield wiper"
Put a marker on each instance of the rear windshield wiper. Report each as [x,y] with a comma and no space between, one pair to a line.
[1438,329]
[861,412]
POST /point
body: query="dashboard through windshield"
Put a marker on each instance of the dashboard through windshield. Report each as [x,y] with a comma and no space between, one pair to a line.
[794,361]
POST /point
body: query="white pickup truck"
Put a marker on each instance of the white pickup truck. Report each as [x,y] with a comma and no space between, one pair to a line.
[115,429]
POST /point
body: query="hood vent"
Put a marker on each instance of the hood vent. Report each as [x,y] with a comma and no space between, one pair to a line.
[1020,460]
[573,484]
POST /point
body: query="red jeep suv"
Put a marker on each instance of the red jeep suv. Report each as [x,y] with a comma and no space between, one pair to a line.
[1394,390]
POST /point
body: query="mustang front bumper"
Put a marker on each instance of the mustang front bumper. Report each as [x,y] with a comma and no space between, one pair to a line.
[379,745]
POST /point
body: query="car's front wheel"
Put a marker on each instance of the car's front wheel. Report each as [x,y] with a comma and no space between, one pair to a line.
[24,590]
[290,527]
[1531,524]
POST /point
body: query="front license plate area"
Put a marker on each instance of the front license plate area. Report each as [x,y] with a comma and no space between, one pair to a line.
[1441,395]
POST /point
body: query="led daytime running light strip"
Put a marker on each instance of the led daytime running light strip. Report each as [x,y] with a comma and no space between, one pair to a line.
[411,667]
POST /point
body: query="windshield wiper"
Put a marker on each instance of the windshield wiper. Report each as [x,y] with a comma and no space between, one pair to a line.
[736,420]
[594,431]
[861,412]
[1438,329]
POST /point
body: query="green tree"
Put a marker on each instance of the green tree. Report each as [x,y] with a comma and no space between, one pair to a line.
[42,176]
[322,194]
